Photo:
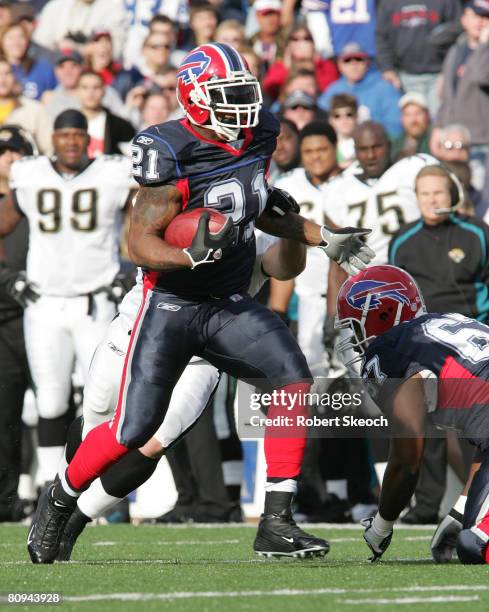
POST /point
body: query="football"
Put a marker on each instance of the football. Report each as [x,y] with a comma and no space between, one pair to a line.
[181,230]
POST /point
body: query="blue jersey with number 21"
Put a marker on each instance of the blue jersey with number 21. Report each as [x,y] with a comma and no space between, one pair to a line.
[228,177]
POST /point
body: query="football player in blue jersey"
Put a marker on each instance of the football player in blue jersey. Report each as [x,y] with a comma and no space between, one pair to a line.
[216,157]
[419,368]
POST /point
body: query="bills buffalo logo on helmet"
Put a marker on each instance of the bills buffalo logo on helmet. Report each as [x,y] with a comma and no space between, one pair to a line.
[195,64]
[357,296]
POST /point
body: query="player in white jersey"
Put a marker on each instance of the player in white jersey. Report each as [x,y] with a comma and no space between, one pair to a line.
[306,185]
[74,209]
[371,191]
[190,396]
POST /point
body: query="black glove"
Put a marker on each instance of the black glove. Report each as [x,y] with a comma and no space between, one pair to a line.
[18,287]
[121,284]
[279,202]
[207,247]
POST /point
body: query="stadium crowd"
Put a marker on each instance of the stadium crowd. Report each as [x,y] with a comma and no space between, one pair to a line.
[370,94]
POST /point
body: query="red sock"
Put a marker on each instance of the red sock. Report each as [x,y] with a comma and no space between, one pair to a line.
[95,454]
[284,454]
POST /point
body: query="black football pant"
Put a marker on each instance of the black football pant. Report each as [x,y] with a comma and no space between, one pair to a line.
[235,334]
[14,380]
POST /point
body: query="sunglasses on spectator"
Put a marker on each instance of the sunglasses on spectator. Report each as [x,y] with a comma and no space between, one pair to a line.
[300,106]
[168,88]
[347,114]
[454,144]
[158,46]
[301,38]
[348,60]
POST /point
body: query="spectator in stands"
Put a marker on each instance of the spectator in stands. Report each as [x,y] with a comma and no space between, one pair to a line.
[231,32]
[267,42]
[350,22]
[415,119]
[108,133]
[142,16]
[166,80]
[18,110]
[70,23]
[154,109]
[299,53]
[300,108]
[161,24]
[68,68]
[286,155]
[156,55]
[253,61]
[300,80]
[343,116]
[203,23]
[6,15]
[465,85]
[376,97]
[404,54]
[36,75]
[453,143]
[99,56]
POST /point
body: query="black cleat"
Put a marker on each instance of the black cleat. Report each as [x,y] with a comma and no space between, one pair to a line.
[73,528]
[47,527]
[279,536]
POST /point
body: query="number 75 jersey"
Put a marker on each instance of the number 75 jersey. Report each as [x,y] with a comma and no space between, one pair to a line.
[382,204]
[74,222]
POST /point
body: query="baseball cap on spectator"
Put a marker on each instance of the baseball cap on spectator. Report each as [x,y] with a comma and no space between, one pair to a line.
[12,138]
[352,49]
[69,55]
[268,6]
[413,98]
[481,7]
[100,34]
[300,98]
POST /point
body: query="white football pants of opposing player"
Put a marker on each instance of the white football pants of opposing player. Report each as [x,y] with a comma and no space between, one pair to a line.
[58,331]
[189,398]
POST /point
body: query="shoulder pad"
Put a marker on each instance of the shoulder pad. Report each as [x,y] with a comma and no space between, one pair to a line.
[155,155]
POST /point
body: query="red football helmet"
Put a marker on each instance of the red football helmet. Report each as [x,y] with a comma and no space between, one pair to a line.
[373,301]
[216,90]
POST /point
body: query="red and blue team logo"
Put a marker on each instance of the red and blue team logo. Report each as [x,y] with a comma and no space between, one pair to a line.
[357,296]
[194,65]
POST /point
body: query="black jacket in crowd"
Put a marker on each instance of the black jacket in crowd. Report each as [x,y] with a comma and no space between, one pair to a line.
[449,261]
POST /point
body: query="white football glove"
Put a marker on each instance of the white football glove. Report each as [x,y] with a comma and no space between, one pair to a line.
[445,537]
[378,542]
[345,247]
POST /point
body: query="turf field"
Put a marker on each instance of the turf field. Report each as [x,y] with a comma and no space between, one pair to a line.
[203,568]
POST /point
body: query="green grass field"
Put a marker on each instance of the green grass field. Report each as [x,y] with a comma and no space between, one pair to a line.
[150,568]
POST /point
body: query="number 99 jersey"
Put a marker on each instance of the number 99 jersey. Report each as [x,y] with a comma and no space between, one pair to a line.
[450,349]
[226,176]
[74,222]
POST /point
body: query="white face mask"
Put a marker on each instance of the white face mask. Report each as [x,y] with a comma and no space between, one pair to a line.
[226,101]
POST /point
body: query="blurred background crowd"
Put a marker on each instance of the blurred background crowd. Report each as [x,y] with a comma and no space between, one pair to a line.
[357,85]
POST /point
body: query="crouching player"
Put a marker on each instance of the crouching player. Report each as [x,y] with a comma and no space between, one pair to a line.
[419,367]
[281,259]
